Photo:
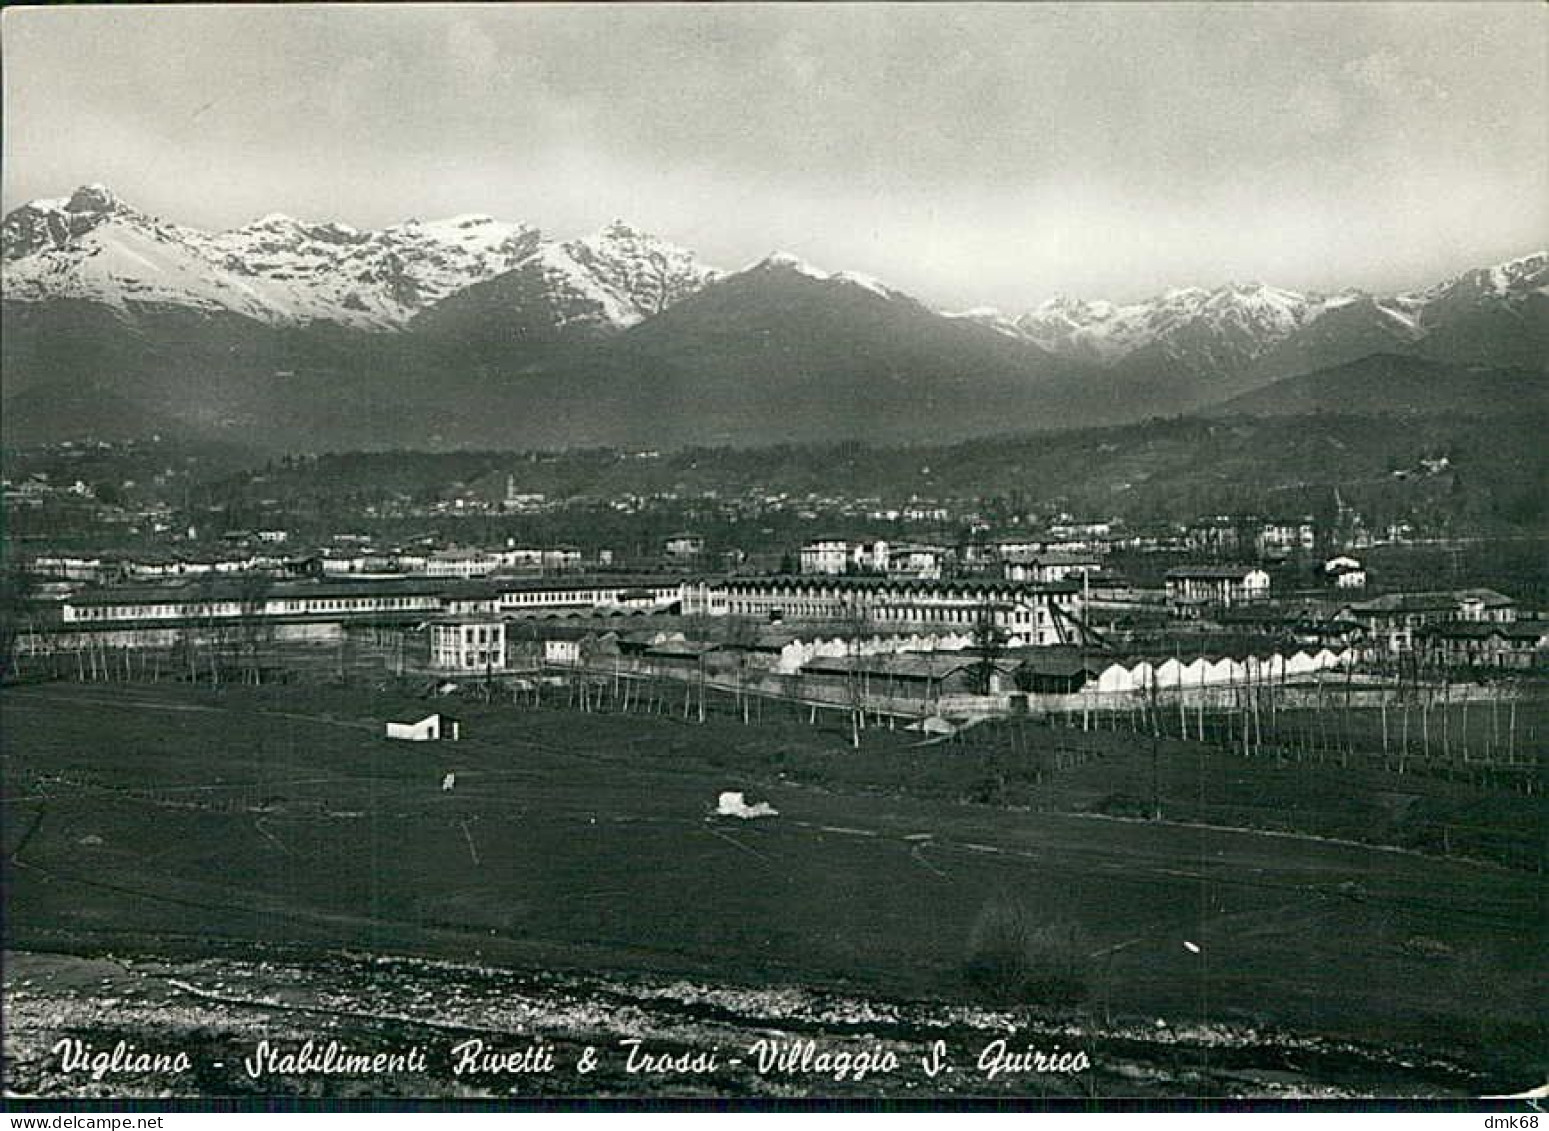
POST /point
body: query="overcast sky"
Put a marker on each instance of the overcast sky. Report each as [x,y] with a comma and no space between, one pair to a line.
[969,154]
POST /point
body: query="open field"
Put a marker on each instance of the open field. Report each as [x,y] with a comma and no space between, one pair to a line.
[200,825]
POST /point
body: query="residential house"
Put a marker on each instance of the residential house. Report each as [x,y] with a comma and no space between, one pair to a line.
[1052,566]
[1344,573]
[1284,537]
[918,560]
[1217,535]
[1393,622]
[684,547]
[1485,605]
[1518,644]
[1191,588]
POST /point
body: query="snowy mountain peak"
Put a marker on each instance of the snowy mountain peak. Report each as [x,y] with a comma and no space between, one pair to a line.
[276,269]
[618,234]
[1219,328]
[1074,310]
[1526,272]
[1225,330]
[470,227]
[637,274]
[1530,267]
[785,261]
[42,225]
[617,229]
[94,198]
[867,282]
[1515,276]
[286,271]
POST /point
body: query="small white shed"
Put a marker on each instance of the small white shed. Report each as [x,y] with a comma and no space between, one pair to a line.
[432,728]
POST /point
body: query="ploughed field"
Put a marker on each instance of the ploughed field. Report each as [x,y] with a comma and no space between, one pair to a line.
[277,830]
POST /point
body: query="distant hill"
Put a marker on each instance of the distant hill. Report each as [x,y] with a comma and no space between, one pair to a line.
[77,368]
[783,350]
[1397,385]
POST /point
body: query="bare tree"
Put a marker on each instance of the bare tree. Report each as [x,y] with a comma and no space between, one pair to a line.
[16,588]
[253,629]
[989,644]
[857,627]
[742,635]
[204,629]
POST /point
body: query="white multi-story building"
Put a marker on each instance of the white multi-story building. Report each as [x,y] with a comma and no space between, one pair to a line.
[468,644]
[552,558]
[525,597]
[1227,585]
[396,599]
[826,555]
[461,563]
[1027,614]
[1069,529]
[918,560]
[227,600]
[1278,537]
[834,556]
[1051,567]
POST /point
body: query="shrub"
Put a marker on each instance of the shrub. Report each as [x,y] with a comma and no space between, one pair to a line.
[1123,805]
[1012,959]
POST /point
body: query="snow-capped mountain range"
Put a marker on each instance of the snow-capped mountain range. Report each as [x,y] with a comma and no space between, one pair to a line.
[282,271]
[1236,325]
[295,333]
[1100,331]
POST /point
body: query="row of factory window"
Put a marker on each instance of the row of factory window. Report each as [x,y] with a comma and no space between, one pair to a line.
[581,597]
[739,601]
[482,658]
[238,608]
[950,614]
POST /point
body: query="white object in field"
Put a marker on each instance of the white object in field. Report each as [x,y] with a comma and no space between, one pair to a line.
[431,728]
[448,783]
[732,803]
[1192,948]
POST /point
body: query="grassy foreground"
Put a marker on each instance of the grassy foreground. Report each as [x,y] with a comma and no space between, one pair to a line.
[192,823]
